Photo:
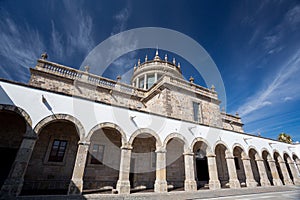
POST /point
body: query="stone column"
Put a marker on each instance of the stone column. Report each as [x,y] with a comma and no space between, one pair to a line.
[274,172]
[145,81]
[160,184]
[248,172]
[155,77]
[214,182]
[264,181]
[189,183]
[76,184]
[123,184]
[298,165]
[14,182]
[137,82]
[294,172]
[286,177]
[233,180]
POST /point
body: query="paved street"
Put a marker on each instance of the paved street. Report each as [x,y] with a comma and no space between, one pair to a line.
[266,193]
[287,195]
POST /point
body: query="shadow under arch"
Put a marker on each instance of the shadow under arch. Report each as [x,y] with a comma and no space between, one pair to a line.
[145,131]
[60,117]
[107,125]
[200,139]
[288,161]
[254,157]
[17,141]
[18,111]
[177,136]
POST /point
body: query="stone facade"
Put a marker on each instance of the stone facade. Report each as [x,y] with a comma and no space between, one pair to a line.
[54,150]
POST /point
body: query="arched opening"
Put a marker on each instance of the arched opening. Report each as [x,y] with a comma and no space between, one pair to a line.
[297,161]
[222,165]
[12,129]
[143,163]
[51,164]
[287,160]
[253,155]
[103,161]
[266,156]
[175,164]
[277,158]
[237,153]
[201,166]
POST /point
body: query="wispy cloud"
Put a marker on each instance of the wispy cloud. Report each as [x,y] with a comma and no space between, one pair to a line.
[284,84]
[20,45]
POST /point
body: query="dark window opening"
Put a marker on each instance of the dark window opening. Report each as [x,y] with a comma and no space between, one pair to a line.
[97,154]
[236,161]
[196,111]
[58,150]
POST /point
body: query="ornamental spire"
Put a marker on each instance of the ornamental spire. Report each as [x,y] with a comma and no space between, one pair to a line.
[156,55]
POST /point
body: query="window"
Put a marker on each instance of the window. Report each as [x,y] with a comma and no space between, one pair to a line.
[97,154]
[236,161]
[196,111]
[153,158]
[58,150]
[151,80]
[141,83]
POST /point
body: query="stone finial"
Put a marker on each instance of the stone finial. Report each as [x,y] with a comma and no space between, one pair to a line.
[156,55]
[213,88]
[192,79]
[44,56]
[146,58]
[179,65]
[237,114]
[139,62]
[87,69]
[166,58]
[134,68]
[119,78]
[223,109]
[174,61]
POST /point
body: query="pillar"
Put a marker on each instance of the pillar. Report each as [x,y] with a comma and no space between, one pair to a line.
[214,182]
[294,172]
[160,184]
[286,177]
[76,184]
[145,81]
[137,82]
[250,182]
[155,77]
[233,180]
[123,184]
[189,183]
[298,165]
[13,184]
[274,172]
[264,181]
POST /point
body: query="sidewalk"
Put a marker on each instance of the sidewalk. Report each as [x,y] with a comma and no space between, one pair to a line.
[176,195]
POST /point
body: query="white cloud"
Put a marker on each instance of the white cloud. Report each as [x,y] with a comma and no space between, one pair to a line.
[283,84]
[287,98]
[20,45]
[56,40]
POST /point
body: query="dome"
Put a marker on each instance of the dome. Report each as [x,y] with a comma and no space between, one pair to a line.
[149,72]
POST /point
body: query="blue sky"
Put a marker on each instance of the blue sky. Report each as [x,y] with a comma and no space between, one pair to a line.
[254,43]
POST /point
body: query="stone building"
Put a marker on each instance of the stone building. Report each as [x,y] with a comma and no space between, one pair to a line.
[70,131]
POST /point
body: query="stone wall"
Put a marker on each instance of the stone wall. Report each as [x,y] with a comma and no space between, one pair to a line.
[42,175]
[170,97]
[175,164]
[143,161]
[105,175]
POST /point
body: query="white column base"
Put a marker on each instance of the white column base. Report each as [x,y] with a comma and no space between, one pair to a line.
[214,184]
[123,187]
[190,185]
[160,186]
[251,183]
[277,182]
[234,183]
